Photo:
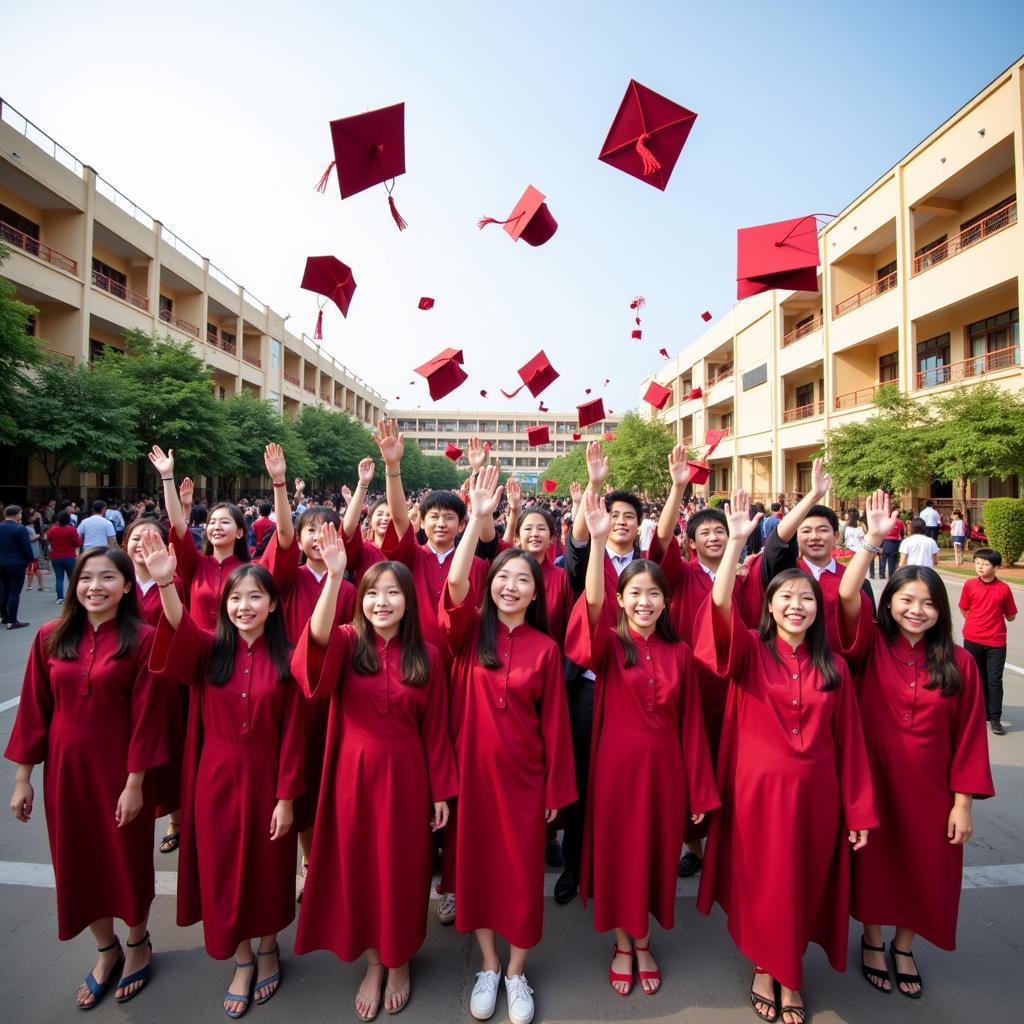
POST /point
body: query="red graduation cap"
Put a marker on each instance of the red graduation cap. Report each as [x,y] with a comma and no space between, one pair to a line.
[590,412]
[664,352]
[713,438]
[699,468]
[647,135]
[369,149]
[537,373]
[529,220]
[657,395]
[783,254]
[444,372]
[695,393]
[483,393]
[329,277]
[550,486]
[576,436]
[538,435]
[609,436]
[426,302]
[636,335]
[453,452]
[705,316]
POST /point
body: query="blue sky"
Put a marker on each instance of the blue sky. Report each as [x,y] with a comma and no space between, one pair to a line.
[214,118]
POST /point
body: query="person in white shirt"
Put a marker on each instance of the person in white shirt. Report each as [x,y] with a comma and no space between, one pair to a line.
[97,531]
[932,520]
[647,528]
[853,532]
[918,548]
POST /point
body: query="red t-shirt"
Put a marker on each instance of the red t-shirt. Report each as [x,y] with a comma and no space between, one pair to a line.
[261,527]
[63,541]
[985,607]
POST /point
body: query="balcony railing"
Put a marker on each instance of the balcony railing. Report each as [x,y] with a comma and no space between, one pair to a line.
[309,388]
[861,396]
[726,431]
[722,375]
[325,395]
[803,412]
[291,378]
[966,369]
[119,291]
[882,285]
[229,345]
[803,330]
[180,322]
[12,236]
[1004,217]
[251,360]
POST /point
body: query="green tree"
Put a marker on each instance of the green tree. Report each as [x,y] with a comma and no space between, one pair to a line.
[18,352]
[440,473]
[77,418]
[638,457]
[567,468]
[335,443]
[254,424]
[1004,527]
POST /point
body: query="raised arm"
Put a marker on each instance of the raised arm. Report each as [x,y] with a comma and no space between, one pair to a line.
[484,496]
[392,447]
[879,520]
[599,524]
[161,563]
[679,471]
[479,456]
[350,524]
[332,551]
[597,473]
[821,484]
[164,465]
[741,526]
[277,470]
[513,495]
[186,495]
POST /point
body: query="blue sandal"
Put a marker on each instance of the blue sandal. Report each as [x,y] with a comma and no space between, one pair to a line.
[98,989]
[235,997]
[274,979]
[140,975]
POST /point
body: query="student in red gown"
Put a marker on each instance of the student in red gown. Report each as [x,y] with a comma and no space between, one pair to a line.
[510,725]
[650,768]
[389,773]
[243,769]
[93,713]
[793,776]
[924,722]
[364,547]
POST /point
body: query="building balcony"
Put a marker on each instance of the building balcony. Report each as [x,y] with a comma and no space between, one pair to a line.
[722,375]
[968,369]
[122,292]
[858,299]
[803,331]
[169,317]
[305,387]
[862,396]
[12,236]
[1004,217]
[255,361]
[326,396]
[803,412]
[291,378]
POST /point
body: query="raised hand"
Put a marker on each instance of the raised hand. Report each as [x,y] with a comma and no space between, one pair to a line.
[332,550]
[878,514]
[513,493]
[414,516]
[597,516]
[597,464]
[390,442]
[367,467]
[679,466]
[300,485]
[576,493]
[186,492]
[273,459]
[737,515]
[821,482]
[160,560]
[478,454]
[484,493]
[162,463]
[346,493]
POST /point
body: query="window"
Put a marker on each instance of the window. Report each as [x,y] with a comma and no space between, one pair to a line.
[805,395]
[468,425]
[994,343]
[211,328]
[95,349]
[110,280]
[504,426]
[30,326]
[974,231]
[275,354]
[803,477]
[884,277]
[725,421]
[166,308]
[933,361]
[758,375]
[934,252]
[19,223]
[275,399]
[889,368]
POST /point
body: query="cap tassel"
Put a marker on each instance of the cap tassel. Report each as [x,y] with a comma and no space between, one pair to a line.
[318,331]
[321,185]
[514,393]
[484,221]
[650,161]
[395,215]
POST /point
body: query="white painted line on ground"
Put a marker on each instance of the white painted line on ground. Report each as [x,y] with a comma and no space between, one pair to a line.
[1015,668]
[14,701]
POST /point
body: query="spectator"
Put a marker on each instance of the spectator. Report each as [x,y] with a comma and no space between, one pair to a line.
[97,531]
[888,559]
[771,520]
[63,540]
[647,528]
[932,520]
[15,555]
[117,520]
[29,521]
[919,548]
[957,536]
[853,536]
[263,524]
[197,525]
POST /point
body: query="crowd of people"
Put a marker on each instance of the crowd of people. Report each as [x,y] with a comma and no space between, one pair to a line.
[385,678]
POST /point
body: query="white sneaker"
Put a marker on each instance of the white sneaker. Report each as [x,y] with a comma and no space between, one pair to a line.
[446,908]
[520,999]
[485,994]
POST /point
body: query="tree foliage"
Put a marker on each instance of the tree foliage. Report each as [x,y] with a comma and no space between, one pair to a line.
[1004,527]
[335,443]
[567,468]
[19,351]
[638,457]
[253,423]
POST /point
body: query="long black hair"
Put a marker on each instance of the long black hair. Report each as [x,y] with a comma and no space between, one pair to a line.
[938,640]
[63,641]
[536,611]
[415,660]
[241,551]
[663,627]
[817,645]
[222,657]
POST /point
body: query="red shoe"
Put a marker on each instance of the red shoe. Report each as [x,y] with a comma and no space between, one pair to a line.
[614,976]
[648,975]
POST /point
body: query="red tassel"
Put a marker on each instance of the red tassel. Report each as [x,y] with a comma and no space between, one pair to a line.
[650,161]
[514,393]
[395,215]
[638,321]
[484,221]
[321,185]
[318,331]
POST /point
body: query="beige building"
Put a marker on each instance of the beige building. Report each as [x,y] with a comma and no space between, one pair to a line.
[920,286]
[506,433]
[96,265]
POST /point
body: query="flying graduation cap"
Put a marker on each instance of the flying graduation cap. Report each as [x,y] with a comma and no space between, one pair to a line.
[536,375]
[647,135]
[779,255]
[444,372]
[329,277]
[369,149]
[550,486]
[529,220]
[453,452]
[657,395]
[537,435]
[699,468]
[590,412]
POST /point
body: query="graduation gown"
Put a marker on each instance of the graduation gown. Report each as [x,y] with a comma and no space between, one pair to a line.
[923,748]
[510,726]
[793,776]
[361,554]
[389,758]
[244,752]
[203,578]
[649,770]
[558,595]
[91,721]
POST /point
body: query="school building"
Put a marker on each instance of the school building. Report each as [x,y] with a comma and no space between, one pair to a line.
[919,286]
[96,265]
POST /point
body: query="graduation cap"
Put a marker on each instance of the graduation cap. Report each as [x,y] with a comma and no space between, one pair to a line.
[699,468]
[329,277]
[647,135]
[537,373]
[542,407]
[783,255]
[444,372]
[695,393]
[529,220]
[636,335]
[657,395]
[609,436]
[590,412]
[369,149]
[483,393]
[664,352]
[453,452]
[550,486]
[537,435]
[576,436]
[705,316]
[426,302]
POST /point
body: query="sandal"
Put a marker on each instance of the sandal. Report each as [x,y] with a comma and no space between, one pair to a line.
[169,842]
[906,979]
[771,1003]
[140,975]
[647,975]
[236,998]
[800,1011]
[874,975]
[614,976]
[374,1002]
[404,990]
[98,989]
[274,979]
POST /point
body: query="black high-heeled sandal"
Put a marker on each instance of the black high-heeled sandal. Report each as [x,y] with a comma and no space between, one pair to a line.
[772,1003]
[872,974]
[906,979]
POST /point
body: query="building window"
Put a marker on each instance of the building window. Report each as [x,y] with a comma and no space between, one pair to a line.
[18,222]
[725,421]
[95,349]
[884,277]
[889,368]
[994,343]
[504,426]
[933,361]
[30,326]
[166,308]
[211,329]
[275,354]
[805,395]
[803,477]
[758,375]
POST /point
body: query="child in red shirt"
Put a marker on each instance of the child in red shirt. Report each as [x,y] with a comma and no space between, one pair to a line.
[987,603]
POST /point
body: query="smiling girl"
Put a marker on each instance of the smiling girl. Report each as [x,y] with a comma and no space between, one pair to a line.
[91,710]
[243,769]
[923,713]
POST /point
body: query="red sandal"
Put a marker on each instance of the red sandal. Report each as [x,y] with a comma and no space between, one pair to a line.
[614,976]
[648,975]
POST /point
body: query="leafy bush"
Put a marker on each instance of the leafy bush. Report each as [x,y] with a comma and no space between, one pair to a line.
[1004,527]
[717,500]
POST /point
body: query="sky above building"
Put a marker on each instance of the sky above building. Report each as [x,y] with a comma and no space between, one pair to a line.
[213,117]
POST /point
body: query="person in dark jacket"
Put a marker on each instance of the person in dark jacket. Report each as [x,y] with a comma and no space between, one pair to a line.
[15,557]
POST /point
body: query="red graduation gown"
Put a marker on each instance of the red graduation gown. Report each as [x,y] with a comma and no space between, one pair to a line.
[300,591]
[203,577]
[389,758]
[361,554]
[923,748]
[829,583]
[649,770]
[93,720]
[793,776]
[513,745]
[243,753]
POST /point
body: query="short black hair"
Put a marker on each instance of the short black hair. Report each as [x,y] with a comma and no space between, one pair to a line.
[626,498]
[266,508]
[824,512]
[990,555]
[917,525]
[12,510]
[98,506]
[928,503]
[705,515]
[775,506]
[447,500]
